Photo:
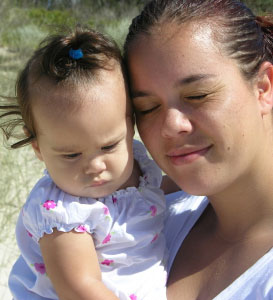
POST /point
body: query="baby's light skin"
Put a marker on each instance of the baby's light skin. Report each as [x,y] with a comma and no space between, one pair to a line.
[88,153]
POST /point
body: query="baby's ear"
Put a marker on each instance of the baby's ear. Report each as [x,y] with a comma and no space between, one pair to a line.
[34,143]
[36,148]
[26,131]
[265,87]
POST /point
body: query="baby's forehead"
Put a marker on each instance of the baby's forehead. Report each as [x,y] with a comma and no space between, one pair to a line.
[106,86]
[43,84]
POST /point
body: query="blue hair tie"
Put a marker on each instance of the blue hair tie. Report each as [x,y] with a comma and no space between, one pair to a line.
[75,54]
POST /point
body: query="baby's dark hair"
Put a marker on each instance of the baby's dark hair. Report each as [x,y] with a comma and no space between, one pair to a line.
[52,61]
[246,38]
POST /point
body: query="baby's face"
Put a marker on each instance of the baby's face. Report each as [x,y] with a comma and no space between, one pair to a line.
[87,147]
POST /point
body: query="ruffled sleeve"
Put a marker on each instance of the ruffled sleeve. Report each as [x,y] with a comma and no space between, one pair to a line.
[48,207]
[152,174]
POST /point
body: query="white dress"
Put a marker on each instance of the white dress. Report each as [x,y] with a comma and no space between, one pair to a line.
[184,210]
[126,227]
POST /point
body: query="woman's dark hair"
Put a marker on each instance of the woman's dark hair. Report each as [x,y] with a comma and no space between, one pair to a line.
[52,61]
[246,38]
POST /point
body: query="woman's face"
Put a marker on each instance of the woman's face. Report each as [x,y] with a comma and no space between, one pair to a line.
[199,118]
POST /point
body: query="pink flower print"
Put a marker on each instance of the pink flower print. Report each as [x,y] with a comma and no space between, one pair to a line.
[107,239]
[106,210]
[81,228]
[114,199]
[29,234]
[40,268]
[154,238]
[153,209]
[49,204]
[107,262]
[133,297]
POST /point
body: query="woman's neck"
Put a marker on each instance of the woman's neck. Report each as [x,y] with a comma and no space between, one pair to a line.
[246,207]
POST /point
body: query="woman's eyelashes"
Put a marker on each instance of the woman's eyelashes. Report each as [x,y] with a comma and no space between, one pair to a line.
[146,111]
[196,97]
[146,107]
[143,111]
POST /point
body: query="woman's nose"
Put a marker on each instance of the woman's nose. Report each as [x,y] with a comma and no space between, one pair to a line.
[95,166]
[175,123]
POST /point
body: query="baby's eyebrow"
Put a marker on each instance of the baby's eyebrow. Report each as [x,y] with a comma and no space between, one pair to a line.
[69,149]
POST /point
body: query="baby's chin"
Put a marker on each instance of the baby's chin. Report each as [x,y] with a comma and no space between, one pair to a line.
[97,193]
[101,190]
[95,189]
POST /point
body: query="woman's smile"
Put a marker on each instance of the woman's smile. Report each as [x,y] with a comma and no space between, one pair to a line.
[187,155]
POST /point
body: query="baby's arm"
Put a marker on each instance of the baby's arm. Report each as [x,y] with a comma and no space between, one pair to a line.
[71,263]
[169,186]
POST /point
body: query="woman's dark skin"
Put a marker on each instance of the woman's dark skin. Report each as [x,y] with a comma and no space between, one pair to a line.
[210,129]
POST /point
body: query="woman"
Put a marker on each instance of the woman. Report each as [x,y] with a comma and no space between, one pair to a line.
[202,86]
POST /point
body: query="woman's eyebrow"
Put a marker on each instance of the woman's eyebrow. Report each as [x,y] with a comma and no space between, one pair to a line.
[184,81]
[137,94]
[194,78]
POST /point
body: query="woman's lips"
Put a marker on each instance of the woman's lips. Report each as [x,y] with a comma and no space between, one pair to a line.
[185,156]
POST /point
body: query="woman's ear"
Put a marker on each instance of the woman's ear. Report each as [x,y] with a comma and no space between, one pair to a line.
[265,87]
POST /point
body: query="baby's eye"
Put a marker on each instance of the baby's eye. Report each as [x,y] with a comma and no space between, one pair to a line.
[71,156]
[109,147]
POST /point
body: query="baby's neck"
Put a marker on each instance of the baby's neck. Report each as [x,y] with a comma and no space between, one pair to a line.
[133,180]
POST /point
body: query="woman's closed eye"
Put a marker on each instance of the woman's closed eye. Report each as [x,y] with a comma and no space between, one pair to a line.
[144,111]
[196,97]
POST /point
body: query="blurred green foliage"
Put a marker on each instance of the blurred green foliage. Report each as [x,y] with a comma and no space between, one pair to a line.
[260,6]
[45,18]
[256,5]
[23,23]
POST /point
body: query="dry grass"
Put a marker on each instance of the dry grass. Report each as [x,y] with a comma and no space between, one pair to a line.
[19,170]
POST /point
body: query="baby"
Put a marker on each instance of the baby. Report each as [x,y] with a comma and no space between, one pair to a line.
[91,227]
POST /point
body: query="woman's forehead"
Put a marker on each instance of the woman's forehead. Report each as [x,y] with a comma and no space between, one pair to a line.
[190,47]
[174,38]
